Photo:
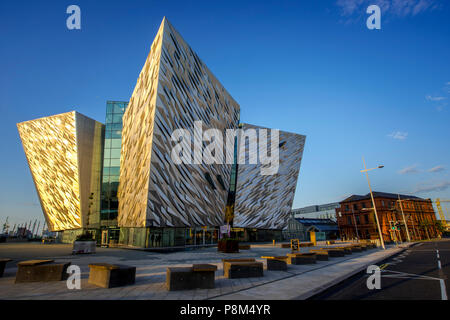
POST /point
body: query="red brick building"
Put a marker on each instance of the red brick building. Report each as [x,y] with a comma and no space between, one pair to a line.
[356,218]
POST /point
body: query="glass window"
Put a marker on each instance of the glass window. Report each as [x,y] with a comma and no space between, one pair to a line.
[105,188]
[108,134]
[107,153]
[115,153]
[106,171]
[116,134]
[116,126]
[119,108]
[115,163]
[114,171]
[107,143]
[105,179]
[106,162]
[117,118]
[115,143]
[109,118]
[109,107]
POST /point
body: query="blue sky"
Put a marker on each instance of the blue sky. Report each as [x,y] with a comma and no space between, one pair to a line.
[310,67]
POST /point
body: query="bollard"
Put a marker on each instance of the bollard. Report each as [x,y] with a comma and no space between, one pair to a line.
[273,242]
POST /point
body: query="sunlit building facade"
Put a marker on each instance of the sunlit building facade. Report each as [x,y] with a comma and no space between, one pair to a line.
[263,202]
[64,153]
[120,182]
[175,89]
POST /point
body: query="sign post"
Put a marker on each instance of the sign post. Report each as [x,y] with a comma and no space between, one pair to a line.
[295,245]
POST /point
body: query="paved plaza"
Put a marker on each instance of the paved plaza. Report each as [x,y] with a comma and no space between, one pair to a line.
[298,282]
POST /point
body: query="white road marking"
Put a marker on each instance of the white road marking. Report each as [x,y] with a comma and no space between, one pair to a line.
[442,282]
[406,275]
[443,290]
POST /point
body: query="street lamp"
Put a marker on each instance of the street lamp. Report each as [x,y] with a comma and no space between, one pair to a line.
[365,170]
[404,220]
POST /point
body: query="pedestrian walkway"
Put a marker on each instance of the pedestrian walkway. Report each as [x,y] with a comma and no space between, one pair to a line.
[298,282]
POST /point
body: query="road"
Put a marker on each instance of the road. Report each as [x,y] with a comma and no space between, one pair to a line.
[419,273]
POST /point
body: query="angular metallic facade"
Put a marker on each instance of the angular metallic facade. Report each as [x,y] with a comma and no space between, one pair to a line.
[265,201]
[64,153]
[174,89]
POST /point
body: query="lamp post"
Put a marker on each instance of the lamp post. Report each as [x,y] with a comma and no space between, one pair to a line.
[365,170]
[356,226]
[404,220]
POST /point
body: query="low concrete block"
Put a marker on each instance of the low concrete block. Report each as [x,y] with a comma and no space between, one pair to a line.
[321,255]
[233,270]
[236,260]
[301,258]
[111,275]
[334,253]
[277,264]
[3,263]
[199,276]
[41,271]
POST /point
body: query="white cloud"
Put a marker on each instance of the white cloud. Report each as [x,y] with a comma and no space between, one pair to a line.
[437,169]
[430,98]
[428,187]
[400,8]
[410,169]
[398,135]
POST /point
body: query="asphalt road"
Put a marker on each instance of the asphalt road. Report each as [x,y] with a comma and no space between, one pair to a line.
[414,274]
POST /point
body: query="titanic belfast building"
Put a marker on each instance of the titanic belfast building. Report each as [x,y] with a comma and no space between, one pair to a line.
[121,182]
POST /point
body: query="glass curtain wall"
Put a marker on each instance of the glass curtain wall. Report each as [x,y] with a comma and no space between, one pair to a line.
[111,163]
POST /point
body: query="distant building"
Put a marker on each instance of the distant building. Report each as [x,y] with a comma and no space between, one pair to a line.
[356,218]
[323,211]
[299,228]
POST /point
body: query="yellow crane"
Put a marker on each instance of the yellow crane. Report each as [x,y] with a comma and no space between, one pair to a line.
[439,208]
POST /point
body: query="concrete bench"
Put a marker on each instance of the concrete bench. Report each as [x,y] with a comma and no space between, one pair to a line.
[301,258]
[41,271]
[306,244]
[347,250]
[334,252]
[321,255]
[363,246]
[370,245]
[3,263]
[107,275]
[233,270]
[199,276]
[236,260]
[244,247]
[356,248]
[276,263]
